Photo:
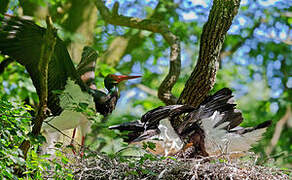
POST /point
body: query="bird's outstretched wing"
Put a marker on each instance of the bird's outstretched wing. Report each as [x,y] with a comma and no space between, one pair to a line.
[214,128]
[22,40]
[86,67]
[222,102]
[153,116]
[207,130]
[148,126]
[135,128]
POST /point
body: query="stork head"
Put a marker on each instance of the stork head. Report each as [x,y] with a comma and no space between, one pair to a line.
[112,80]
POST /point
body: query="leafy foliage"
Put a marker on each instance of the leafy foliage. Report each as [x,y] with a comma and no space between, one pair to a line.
[256,65]
[14,126]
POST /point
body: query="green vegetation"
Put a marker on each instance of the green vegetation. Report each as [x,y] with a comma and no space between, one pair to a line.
[255,62]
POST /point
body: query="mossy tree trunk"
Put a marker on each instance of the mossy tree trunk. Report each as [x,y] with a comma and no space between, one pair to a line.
[203,76]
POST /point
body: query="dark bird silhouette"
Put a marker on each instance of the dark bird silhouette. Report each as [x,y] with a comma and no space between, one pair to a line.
[211,129]
[22,40]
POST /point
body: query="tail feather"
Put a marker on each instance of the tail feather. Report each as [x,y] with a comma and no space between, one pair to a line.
[223,102]
[219,140]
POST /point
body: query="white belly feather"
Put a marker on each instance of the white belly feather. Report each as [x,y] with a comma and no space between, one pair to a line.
[167,142]
[69,118]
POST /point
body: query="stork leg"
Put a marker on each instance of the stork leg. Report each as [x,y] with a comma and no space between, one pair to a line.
[72,140]
[82,147]
[84,129]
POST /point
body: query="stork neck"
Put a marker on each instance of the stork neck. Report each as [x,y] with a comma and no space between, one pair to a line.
[113,89]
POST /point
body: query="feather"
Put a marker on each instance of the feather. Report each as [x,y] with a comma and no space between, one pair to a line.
[218,140]
[211,129]
[22,39]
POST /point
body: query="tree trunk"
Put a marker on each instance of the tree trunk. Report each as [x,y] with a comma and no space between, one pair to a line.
[203,77]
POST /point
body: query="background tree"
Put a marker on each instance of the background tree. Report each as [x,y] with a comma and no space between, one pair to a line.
[255,59]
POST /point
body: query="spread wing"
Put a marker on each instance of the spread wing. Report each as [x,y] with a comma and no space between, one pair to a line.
[209,128]
[22,39]
[222,102]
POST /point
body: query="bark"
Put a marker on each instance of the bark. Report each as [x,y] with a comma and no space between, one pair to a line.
[203,77]
[46,53]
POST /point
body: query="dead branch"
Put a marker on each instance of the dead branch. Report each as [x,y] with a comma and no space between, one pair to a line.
[153,25]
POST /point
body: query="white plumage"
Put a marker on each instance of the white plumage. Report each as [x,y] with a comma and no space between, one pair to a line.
[211,129]
[69,118]
[219,140]
[167,142]
[171,142]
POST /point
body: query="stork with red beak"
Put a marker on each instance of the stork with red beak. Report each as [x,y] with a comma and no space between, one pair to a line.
[22,40]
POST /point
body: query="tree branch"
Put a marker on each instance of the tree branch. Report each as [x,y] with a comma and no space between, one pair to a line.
[146,89]
[46,53]
[202,78]
[131,40]
[153,25]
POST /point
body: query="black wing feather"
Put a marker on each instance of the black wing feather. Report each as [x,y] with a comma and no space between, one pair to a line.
[22,39]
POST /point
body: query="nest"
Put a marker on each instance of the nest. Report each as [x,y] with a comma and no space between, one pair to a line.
[104,167]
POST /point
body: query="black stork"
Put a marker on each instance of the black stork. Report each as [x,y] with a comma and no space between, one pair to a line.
[21,39]
[211,129]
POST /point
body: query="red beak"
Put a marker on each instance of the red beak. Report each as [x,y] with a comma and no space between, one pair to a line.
[120,78]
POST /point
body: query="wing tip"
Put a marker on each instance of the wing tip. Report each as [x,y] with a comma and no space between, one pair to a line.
[114,126]
[264,124]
